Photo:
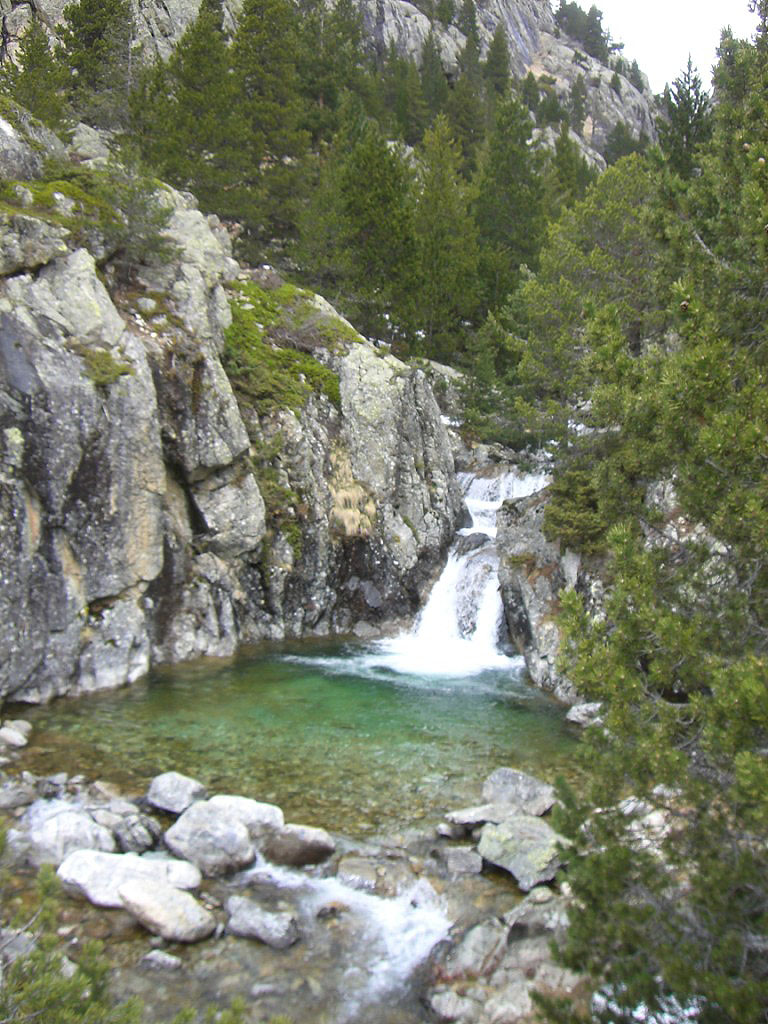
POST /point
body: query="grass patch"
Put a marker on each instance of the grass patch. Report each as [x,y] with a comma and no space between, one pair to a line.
[101,366]
[266,376]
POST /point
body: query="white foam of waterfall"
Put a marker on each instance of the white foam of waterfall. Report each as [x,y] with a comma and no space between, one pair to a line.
[457,633]
[396,934]
[484,495]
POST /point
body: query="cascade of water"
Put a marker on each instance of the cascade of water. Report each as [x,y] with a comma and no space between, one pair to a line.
[457,633]
[396,933]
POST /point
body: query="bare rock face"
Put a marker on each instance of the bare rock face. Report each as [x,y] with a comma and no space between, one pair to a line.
[132,521]
[531,577]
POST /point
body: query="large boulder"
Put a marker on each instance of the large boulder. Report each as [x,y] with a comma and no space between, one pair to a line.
[525,846]
[212,838]
[97,876]
[259,818]
[163,910]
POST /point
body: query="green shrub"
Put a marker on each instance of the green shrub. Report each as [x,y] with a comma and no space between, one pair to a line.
[573,514]
[266,376]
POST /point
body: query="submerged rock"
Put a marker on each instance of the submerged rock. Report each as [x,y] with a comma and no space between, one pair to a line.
[159,960]
[98,876]
[212,838]
[525,846]
[160,908]
[460,860]
[174,792]
[298,845]
[249,921]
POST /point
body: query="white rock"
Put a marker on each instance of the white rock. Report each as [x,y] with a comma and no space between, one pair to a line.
[12,737]
[20,725]
[585,714]
[174,792]
[211,838]
[507,785]
[165,911]
[57,828]
[98,876]
[249,921]
[257,817]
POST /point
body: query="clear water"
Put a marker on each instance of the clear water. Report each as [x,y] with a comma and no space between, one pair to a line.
[359,738]
[325,731]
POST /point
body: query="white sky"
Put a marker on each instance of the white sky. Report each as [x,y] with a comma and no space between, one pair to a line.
[660,34]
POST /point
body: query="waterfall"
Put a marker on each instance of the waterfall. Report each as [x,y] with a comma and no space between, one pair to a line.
[458,632]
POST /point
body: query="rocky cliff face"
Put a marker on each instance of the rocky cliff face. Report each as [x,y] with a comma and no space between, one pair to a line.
[534,44]
[532,573]
[133,525]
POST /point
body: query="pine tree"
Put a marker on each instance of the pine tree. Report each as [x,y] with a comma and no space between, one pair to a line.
[577,107]
[466,106]
[330,60]
[434,84]
[96,40]
[263,59]
[446,247]
[36,80]
[186,112]
[567,175]
[508,207]
[496,67]
[530,93]
[689,121]
[467,22]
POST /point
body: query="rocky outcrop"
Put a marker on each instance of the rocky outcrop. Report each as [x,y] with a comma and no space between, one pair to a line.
[490,973]
[532,573]
[133,528]
[609,102]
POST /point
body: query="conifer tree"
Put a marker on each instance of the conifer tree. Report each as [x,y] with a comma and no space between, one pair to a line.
[496,67]
[330,60]
[265,76]
[188,106]
[689,121]
[434,84]
[508,207]
[567,175]
[97,48]
[446,247]
[376,190]
[36,79]
[577,107]
[466,106]
[467,22]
